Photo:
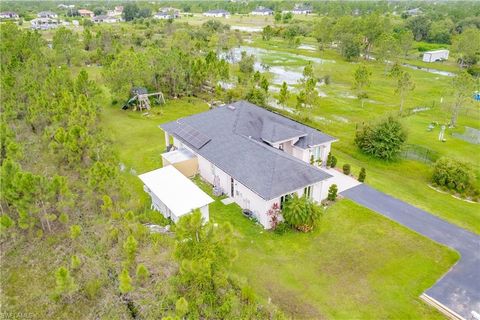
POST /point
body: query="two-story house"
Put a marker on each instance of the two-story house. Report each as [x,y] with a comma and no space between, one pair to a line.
[252,155]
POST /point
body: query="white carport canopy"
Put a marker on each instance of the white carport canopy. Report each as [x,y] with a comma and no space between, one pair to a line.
[176,191]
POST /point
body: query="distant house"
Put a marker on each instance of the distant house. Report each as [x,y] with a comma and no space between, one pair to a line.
[8,15]
[116,12]
[47,14]
[435,55]
[66,6]
[166,15]
[44,24]
[173,194]
[413,12]
[256,157]
[86,13]
[262,11]
[300,9]
[105,19]
[219,13]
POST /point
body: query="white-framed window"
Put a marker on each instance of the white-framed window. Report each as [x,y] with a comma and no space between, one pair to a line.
[307,191]
[316,152]
[284,199]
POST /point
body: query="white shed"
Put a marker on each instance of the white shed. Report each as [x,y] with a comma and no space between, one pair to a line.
[173,194]
[436,55]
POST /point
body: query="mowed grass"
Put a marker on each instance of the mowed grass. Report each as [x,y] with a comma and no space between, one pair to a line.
[357,264]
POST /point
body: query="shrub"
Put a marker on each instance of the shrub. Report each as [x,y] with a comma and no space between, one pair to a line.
[454,175]
[333,162]
[282,228]
[301,213]
[65,285]
[75,262]
[125,282]
[346,169]
[362,175]
[332,192]
[75,231]
[92,288]
[383,140]
[142,272]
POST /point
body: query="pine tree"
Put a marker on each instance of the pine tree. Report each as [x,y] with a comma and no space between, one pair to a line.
[125,282]
[75,262]
[64,283]
[332,192]
[130,248]
[362,175]
[142,273]
[284,94]
[181,307]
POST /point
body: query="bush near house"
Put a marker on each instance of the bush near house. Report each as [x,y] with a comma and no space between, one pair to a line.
[331,160]
[382,140]
[362,175]
[346,169]
[301,213]
[332,192]
[454,175]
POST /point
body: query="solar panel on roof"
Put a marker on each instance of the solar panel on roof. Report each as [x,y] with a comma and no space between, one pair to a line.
[192,136]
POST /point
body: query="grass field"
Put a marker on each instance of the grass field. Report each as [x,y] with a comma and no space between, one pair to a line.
[356,265]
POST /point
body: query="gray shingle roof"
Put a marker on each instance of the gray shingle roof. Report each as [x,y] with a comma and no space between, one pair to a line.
[218,11]
[273,132]
[236,147]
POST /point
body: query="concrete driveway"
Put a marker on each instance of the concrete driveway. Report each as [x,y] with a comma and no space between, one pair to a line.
[459,289]
[342,181]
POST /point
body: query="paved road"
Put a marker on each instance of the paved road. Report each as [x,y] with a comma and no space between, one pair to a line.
[459,289]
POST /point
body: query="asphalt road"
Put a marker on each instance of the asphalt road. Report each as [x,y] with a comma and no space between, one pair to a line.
[459,289]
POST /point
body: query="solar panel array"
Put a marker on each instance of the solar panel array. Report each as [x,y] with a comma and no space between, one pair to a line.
[192,136]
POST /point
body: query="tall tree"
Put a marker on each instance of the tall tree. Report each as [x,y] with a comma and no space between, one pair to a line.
[130,11]
[405,84]
[284,94]
[65,44]
[467,47]
[323,31]
[362,81]
[405,41]
[387,48]
[463,86]
[420,27]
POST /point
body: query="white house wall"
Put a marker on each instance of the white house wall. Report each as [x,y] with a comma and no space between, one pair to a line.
[243,196]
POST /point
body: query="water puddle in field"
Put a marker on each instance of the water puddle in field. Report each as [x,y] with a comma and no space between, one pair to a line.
[307,47]
[430,70]
[291,75]
[247,29]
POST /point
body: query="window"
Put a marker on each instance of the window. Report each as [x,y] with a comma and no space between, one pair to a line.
[307,191]
[316,153]
[284,199]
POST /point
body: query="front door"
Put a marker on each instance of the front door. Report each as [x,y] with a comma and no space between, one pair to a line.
[232,187]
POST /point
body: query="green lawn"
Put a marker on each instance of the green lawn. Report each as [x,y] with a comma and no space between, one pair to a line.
[357,264]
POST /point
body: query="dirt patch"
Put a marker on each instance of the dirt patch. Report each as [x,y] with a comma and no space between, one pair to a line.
[291,304]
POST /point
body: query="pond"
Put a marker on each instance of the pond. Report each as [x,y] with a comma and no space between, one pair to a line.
[290,74]
[247,29]
[431,70]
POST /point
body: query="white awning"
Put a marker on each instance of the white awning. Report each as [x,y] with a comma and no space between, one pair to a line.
[175,190]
